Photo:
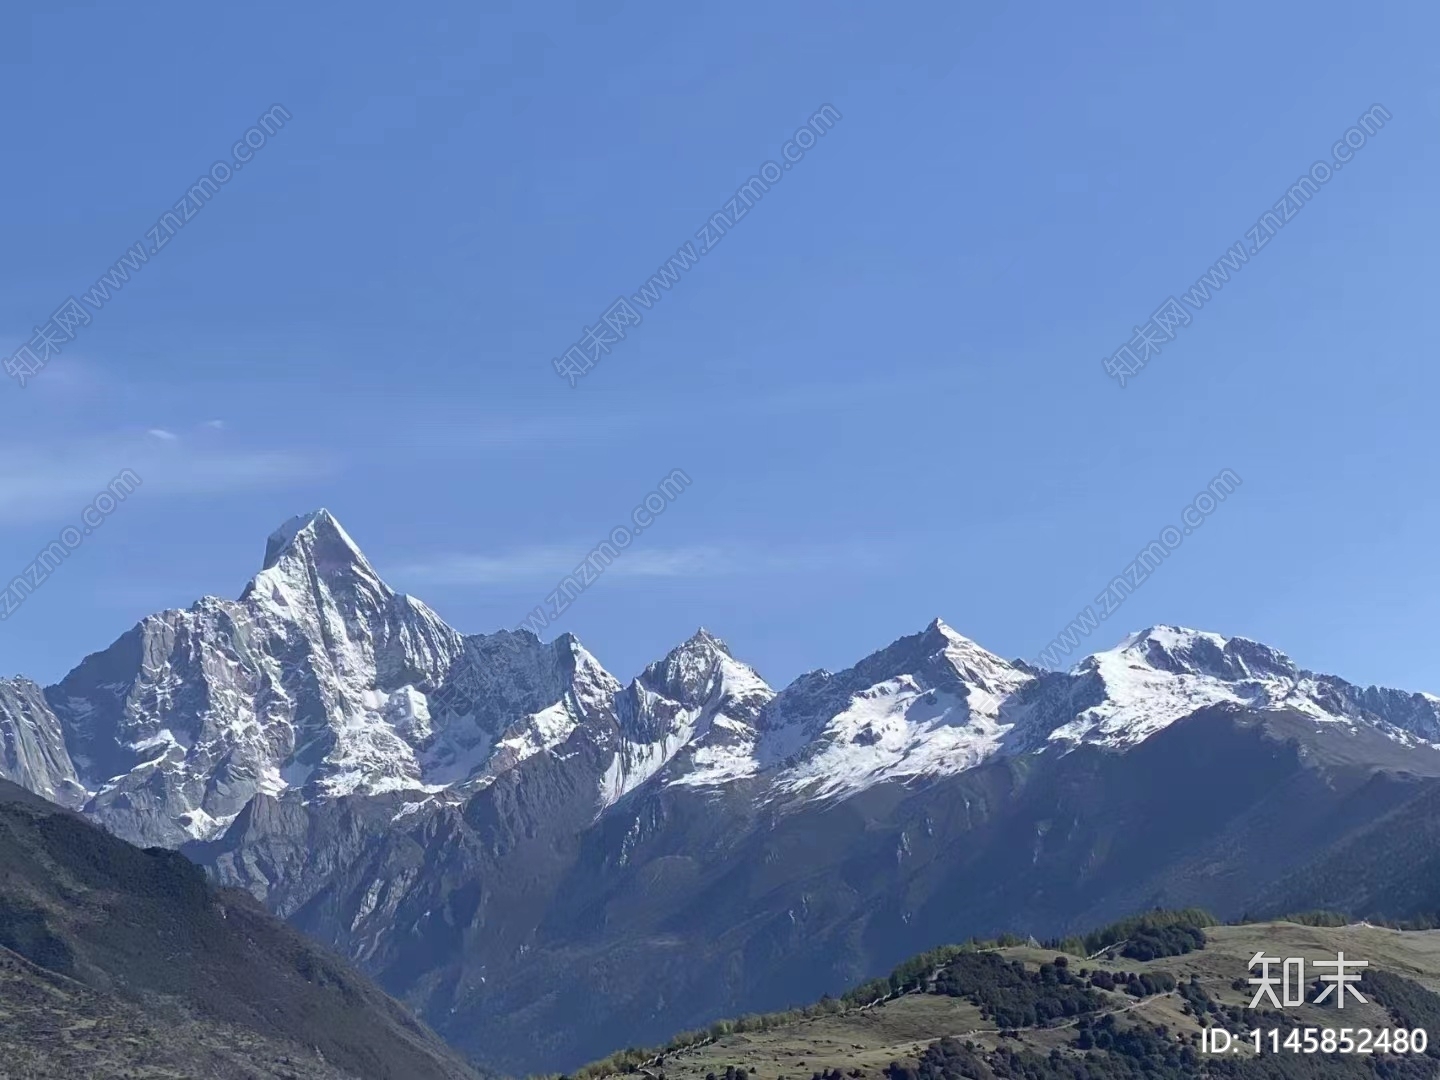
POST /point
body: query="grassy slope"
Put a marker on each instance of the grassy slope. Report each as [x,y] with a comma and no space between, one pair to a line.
[869,1039]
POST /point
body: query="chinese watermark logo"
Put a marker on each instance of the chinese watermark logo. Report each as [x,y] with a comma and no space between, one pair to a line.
[1291,980]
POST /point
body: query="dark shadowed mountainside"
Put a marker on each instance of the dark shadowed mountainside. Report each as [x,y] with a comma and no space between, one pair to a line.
[120,962]
[681,905]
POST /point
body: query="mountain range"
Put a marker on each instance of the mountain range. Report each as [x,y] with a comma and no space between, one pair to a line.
[546,861]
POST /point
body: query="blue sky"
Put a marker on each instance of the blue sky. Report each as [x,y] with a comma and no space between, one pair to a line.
[886,383]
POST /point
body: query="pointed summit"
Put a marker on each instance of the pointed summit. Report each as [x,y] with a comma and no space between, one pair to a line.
[314,548]
[686,670]
[316,535]
[698,667]
[940,629]
[703,639]
[693,711]
[971,662]
[940,634]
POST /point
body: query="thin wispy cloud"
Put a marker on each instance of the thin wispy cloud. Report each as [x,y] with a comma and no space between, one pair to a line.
[39,483]
[527,565]
[547,562]
[161,433]
[65,378]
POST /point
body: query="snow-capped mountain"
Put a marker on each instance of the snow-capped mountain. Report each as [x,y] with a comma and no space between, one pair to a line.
[1156,676]
[475,818]
[322,682]
[308,681]
[934,703]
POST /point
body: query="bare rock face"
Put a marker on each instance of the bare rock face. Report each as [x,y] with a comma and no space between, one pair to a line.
[32,745]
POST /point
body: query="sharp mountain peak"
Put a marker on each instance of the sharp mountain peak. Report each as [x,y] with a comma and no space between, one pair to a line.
[317,535]
[703,639]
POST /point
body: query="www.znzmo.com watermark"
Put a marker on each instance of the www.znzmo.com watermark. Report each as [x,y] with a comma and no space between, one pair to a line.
[1172,316]
[597,341]
[71,537]
[1139,570]
[458,698]
[588,570]
[72,316]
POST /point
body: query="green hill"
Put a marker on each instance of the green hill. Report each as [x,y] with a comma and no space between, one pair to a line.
[1000,1011]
